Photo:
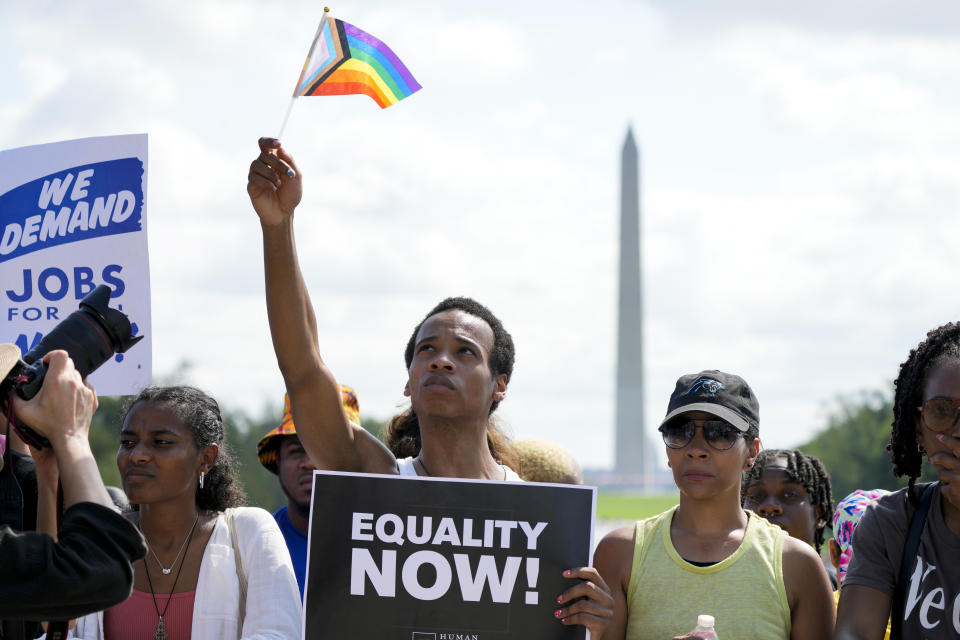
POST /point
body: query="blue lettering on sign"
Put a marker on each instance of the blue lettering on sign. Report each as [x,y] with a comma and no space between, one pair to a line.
[53,283]
[89,201]
[22,342]
[53,313]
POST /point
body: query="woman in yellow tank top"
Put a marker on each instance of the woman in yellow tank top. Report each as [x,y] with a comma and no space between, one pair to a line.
[708,555]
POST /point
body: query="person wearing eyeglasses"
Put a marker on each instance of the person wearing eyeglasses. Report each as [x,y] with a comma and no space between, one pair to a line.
[926,423]
[708,555]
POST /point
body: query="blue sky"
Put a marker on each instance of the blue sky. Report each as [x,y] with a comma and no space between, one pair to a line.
[799,167]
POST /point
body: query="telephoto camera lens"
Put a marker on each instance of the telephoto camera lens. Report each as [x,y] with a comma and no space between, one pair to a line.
[90,335]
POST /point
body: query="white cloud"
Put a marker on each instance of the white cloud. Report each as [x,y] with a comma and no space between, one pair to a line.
[888,88]
[799,199]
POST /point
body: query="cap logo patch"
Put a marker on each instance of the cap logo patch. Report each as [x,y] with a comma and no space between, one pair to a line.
[709,385]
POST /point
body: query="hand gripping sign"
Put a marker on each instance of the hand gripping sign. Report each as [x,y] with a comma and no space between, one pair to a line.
[73,217]
[442,559]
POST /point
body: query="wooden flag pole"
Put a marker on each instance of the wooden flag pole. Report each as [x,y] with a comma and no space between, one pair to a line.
[286,117]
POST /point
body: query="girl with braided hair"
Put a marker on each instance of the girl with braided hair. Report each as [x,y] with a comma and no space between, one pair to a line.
[925,424]
[791,490]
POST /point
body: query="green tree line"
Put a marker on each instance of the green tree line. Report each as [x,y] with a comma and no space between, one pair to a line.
[852,444]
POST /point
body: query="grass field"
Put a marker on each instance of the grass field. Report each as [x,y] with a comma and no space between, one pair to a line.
[633,506]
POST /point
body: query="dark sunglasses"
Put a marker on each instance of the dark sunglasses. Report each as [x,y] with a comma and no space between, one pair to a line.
[719,434]
[940,414]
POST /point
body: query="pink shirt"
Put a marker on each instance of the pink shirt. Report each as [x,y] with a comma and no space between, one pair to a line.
[136,617]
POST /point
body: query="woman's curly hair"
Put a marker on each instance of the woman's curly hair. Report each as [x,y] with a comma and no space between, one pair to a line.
[941,346]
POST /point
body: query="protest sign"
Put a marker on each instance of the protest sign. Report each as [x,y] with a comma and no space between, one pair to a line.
[73,216]
[442,559]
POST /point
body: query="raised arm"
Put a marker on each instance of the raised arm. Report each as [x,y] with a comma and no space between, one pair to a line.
[808,592]
[275,187]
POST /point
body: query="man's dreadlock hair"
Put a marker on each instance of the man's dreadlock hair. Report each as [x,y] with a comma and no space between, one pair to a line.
[805,470]
[941,346]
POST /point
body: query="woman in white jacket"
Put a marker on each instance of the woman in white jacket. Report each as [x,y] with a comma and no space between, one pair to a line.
[214,569]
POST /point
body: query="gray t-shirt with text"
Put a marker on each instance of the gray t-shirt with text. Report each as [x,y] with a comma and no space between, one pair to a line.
[932,608]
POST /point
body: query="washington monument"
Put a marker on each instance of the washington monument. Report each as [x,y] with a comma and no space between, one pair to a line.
[631,451]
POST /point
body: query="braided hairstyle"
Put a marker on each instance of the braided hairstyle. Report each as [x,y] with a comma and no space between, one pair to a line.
[201,414]
[805,470]
[402,434]
[941,346]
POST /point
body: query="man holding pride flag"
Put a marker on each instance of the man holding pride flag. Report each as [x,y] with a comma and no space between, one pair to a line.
[459,362]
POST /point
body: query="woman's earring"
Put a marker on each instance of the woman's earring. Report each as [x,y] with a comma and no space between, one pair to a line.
[201,479]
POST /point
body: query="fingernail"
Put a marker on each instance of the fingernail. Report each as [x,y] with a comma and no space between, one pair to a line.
[290,173]
[558,612]
[563,620]
[939,436]
[567,572]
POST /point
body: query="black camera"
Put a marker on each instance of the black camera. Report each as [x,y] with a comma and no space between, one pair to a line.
[90,335]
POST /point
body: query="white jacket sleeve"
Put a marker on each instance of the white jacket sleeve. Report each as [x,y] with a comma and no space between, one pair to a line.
[273,598]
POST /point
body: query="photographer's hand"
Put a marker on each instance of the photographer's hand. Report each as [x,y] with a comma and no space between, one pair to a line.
[61,412]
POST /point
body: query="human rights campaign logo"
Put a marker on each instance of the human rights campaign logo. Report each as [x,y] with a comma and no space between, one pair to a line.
[88,201]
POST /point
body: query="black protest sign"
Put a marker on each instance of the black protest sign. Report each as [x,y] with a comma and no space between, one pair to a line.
[400,558]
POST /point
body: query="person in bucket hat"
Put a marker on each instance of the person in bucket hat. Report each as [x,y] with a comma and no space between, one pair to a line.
[281,453]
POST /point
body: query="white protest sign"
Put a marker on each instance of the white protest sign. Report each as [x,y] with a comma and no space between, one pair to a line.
[73,215]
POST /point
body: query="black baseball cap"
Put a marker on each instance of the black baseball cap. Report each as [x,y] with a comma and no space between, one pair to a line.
[723,395]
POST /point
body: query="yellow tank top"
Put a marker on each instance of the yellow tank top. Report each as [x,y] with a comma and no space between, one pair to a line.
[744,591]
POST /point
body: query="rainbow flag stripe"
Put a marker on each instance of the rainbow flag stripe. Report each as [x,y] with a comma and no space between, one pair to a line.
[345,60]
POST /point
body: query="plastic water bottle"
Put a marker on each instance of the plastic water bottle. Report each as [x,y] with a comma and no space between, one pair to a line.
[704,629]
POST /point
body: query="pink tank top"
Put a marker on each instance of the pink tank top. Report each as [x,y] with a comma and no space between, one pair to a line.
[136,617]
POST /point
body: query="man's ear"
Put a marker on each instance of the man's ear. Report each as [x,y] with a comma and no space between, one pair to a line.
[500,387]
[406,389]
[834,553]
